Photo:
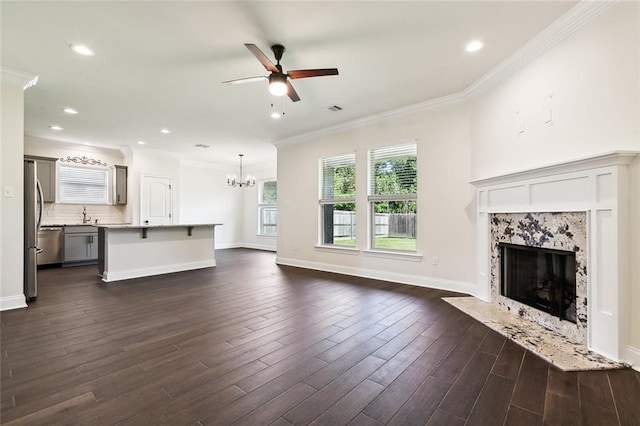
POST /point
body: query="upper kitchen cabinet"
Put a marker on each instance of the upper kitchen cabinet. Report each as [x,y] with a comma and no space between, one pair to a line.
[47,176]
[121,184]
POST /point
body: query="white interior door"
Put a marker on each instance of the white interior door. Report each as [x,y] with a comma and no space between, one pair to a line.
[155,200]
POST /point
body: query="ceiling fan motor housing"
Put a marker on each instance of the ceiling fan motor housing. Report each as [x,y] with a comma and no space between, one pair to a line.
[277,50]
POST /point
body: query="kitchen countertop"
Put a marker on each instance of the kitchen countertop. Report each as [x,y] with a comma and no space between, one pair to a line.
[50,225]
[130,226]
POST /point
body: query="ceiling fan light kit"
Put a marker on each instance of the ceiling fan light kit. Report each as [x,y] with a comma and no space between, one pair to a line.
[279,84]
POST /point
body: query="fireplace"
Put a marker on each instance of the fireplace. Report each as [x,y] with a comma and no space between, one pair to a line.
[580,206]
[542,278]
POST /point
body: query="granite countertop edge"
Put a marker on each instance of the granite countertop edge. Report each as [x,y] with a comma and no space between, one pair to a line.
[130,226]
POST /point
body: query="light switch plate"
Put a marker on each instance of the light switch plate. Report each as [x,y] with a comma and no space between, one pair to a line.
[7,192]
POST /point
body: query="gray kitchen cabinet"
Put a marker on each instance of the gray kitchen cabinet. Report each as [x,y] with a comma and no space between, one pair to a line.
[121,184]
[80,244]
[47,176]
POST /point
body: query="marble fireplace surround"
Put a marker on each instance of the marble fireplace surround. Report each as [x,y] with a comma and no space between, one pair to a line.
[560,231]
[590,196]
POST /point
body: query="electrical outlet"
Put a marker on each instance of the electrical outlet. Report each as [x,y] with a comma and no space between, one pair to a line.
[435,260]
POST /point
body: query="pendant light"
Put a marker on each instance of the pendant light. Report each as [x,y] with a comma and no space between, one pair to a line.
[249,181]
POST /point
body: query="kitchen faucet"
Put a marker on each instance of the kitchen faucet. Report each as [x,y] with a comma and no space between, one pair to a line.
[84,215]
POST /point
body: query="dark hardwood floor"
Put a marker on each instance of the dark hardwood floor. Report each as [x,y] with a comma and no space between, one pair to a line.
[252,343]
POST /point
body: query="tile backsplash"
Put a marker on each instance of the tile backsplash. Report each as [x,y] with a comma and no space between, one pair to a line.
[69,214]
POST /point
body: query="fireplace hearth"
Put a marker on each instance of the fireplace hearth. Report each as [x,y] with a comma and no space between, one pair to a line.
[542,278]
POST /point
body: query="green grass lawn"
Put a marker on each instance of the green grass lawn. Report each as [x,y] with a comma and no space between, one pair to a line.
[388,243]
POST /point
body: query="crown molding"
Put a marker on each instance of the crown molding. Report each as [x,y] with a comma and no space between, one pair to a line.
[18,78]
[371,119]
[578,16]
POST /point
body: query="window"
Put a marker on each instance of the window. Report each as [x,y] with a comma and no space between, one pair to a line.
[83,185]
[393,197]
[338,200]
[267,207]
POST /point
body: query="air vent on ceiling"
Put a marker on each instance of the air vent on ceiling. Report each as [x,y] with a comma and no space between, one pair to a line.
[201,145]
[334,108]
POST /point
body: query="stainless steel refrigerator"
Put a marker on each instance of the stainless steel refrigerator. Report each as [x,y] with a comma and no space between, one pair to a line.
[32,217]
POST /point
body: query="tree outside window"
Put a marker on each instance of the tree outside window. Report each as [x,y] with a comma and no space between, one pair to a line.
[393,188]
[337,201]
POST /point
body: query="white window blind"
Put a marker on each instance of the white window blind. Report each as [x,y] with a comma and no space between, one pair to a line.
[337,201]
[393,171]
[83,185]
[339,178]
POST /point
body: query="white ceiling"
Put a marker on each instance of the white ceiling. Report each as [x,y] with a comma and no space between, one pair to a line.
[161,64]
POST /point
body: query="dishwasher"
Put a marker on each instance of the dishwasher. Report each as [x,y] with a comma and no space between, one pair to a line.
[50,241]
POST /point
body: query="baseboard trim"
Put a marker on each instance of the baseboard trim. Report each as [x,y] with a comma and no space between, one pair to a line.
[12,302]
[263,247]
[632,356]
[229,246]
[421,281]
[158,270]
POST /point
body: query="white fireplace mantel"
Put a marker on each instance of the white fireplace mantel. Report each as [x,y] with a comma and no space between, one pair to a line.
[597,185]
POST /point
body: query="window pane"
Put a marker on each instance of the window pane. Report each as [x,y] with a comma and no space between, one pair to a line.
[339,224]
[268,220]
[393,170]
[339,177]
[394,225]
[269,193]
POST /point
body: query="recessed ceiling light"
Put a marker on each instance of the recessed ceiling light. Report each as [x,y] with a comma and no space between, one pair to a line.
[141,142]
[275,114]
[165,131]
[474,46]
[54,127]
[81,49]
[70,110]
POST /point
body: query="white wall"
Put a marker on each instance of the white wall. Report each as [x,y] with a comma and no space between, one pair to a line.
[445,200]
[154,162]
[594,77]
[11,208]
[205,197]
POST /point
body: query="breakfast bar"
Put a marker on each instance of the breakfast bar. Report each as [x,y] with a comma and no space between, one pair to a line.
[133,251]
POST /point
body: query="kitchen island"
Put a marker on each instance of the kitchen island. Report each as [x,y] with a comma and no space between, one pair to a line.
[132,251]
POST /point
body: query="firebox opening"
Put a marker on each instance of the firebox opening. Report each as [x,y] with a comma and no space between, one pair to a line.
[541,278]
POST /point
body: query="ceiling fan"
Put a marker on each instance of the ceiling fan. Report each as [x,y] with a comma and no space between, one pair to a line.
[279,84]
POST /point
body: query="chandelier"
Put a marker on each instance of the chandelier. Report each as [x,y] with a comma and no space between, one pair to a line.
[249,181]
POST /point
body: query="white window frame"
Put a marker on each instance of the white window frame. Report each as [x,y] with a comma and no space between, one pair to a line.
[373,198]
[106,172]
[262,206]
[324,200]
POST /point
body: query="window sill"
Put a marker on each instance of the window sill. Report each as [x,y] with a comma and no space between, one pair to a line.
[267,235]
[337,249]
[412,257]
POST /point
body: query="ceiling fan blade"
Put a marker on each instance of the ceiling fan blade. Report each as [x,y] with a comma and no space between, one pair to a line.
[293,95]
[246,80]
[261,57]
[312,73]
